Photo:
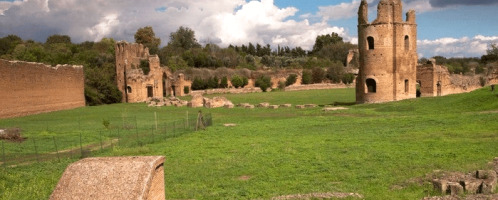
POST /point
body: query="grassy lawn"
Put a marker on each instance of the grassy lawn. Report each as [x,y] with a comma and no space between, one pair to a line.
[367,149]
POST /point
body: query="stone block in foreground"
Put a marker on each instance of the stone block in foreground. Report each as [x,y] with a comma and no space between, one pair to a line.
[110,178]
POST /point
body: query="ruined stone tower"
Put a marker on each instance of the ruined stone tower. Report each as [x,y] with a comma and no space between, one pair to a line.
[388,54]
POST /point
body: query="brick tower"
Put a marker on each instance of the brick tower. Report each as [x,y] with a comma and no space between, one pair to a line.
[388,54]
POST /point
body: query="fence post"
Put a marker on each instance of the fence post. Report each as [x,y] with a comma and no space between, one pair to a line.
[152,131]
[36,150]
[101,147]
[155,118]
[3,155]
[56,149]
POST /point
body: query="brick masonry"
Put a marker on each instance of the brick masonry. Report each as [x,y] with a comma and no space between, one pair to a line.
[29,88]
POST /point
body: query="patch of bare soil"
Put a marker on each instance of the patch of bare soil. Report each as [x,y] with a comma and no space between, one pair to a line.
[328,195]
[244,178]
[12,135]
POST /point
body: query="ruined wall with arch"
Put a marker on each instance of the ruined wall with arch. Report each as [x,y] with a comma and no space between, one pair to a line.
[29,88]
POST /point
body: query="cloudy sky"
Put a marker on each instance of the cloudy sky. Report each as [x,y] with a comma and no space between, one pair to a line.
[451,28]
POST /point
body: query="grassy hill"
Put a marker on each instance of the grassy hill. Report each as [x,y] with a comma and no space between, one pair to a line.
[380,151]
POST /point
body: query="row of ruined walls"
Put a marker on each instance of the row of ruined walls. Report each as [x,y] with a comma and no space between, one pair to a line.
[436,80]
[30,88]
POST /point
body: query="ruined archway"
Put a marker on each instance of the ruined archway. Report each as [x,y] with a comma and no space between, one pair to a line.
[439,88]
[165,85]
[371,85]
[419,85]
[150,91]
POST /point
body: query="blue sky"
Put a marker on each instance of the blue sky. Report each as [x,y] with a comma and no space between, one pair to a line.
[453,28]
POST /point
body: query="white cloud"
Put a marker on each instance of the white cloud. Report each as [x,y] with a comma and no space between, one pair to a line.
[456,47]
[223,22]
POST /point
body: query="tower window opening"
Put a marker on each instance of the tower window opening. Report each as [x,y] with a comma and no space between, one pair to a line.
[407,43]
[371,86]
[128,89]
[370,41]
[407,86]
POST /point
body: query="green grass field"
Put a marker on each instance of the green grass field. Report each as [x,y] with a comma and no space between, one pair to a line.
[368,149]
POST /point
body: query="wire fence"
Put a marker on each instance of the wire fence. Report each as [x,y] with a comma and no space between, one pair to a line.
[120,132]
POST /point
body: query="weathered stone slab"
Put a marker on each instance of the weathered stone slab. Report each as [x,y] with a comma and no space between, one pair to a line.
[440,186]
[489,183]
[263,105]
[113,178]
[455,188]
[216,102]
[196,102]
[310,105]
[334,108]
[300,106]
[471,185]
[287,105]
[249,106]
[273,106]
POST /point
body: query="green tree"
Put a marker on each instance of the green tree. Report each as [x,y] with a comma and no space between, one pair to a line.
[291,79]
[9,43]
[55,39]
[224,82]
[263,82]
[348,78]
[147,37]
[317,75]
[335,72]
[237,81]
[183,39]
[306,77]
[324,40]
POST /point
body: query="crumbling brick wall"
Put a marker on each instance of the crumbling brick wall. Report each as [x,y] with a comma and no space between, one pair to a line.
[436,80]
[29,88]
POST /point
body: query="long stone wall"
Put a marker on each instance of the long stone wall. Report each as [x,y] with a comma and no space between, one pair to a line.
[30,88]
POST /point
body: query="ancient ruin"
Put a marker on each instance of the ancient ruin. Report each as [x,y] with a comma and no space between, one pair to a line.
[113,178]
[436,80]
[388,54]
[29,88]
[139,75]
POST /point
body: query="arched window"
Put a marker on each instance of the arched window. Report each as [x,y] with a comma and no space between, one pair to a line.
[407,86]
[371,86]
[407,43]
[128,89]
[371,43]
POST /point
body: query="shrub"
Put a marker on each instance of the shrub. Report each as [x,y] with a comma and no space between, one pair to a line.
[291,79]
[186,89]
[306,79]
[335,72]
[213,82]
[237,82]
[145,66]
[224,82]
[263,82]
[348,78]
[245,81]
[199,84]
[317,75]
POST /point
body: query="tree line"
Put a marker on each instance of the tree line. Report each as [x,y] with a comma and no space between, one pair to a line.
[326,60]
